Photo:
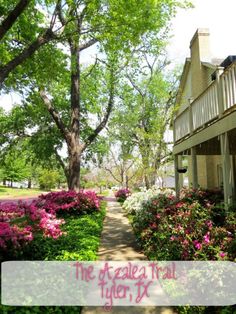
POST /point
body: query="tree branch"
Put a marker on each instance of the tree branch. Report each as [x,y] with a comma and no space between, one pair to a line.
[55,115]
[26,53]
[103,123]
[132,163]
[107,169]
[12,17]
[135,86]
[92,68]
[88,44]
[60,14]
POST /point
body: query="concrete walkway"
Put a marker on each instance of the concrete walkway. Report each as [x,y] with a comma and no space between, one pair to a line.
[118,244]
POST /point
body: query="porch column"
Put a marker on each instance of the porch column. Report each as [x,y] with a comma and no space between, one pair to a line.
[177,189]
[227,169]
[178,176]
[180,165]
[194,168]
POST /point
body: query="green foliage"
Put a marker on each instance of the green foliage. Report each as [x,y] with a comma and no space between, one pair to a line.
[14,166]
[80,243]
[48,179]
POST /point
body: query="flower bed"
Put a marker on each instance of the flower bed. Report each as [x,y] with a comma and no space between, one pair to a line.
[21,223]
[194,227]
[190,228]
[122,194]
[78,240]
[134,202]
[69,202]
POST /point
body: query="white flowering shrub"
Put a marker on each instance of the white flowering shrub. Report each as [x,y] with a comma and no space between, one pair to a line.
[133,203]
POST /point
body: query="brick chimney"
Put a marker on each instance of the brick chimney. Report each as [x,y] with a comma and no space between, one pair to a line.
[200,52]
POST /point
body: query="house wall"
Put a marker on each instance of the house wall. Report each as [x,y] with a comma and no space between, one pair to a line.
[202,172]
[212,165]
[207,171]
[187,93]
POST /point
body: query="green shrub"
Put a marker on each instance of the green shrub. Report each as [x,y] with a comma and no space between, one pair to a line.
[48,179]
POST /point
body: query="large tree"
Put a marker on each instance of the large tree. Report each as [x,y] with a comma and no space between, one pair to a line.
[55,77]
[146,108]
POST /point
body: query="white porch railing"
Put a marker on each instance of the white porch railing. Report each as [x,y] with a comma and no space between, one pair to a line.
[228,79]
[205,107]
[181,125]
[214,101]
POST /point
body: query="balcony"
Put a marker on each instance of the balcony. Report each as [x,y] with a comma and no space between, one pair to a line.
[218,100]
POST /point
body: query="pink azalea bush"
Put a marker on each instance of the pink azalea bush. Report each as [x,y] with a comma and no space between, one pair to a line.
[190,228]
[19,224]
[69,202]
[122,194]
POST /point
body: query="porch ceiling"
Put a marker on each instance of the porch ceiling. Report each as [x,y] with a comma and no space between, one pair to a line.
[212,146]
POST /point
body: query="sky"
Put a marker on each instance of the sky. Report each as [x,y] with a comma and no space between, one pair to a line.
[217,15]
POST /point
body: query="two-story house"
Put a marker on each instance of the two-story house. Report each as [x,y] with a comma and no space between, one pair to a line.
[205,123]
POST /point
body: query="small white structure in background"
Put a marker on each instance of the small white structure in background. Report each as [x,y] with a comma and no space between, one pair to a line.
[23,184]
[166,182]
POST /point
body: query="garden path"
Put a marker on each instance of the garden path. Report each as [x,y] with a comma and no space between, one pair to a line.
[118,244]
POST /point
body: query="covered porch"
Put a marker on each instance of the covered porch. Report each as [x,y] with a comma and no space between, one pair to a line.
[211,164]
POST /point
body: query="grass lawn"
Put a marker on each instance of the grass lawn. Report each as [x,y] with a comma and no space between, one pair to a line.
[7,192]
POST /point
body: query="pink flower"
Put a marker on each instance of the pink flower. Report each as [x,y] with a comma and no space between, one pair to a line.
[222,254]
[185,255]
[209,224]
[207,237]
[185,242]
[197,245]
[179,227]
[179,205]
[153,225]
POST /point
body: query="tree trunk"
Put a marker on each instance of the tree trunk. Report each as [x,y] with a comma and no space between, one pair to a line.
[126,182]
[4,182]
[146,181]
[29,183]
[145,162]
[74,168]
